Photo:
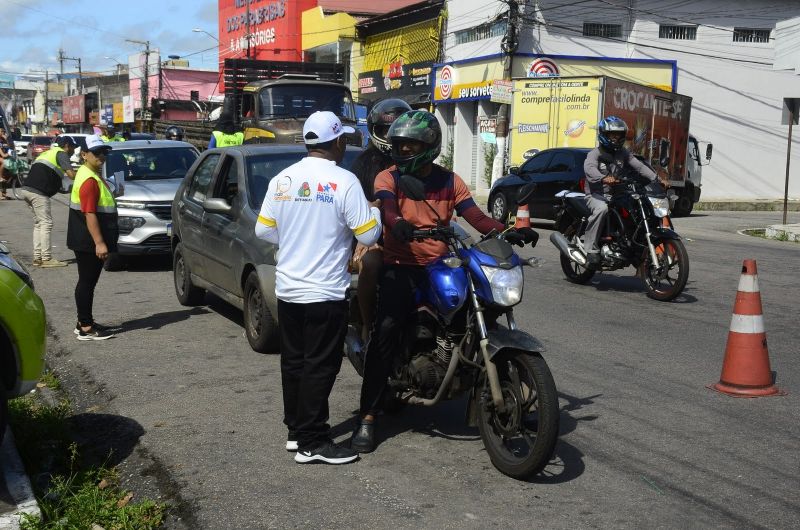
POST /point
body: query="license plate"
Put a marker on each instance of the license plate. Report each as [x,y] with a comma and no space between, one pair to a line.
[169,229]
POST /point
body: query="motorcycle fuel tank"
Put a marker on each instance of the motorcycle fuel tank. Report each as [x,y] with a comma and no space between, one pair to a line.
[447,287]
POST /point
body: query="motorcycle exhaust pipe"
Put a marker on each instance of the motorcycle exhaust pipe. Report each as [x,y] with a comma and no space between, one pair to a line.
[561,243]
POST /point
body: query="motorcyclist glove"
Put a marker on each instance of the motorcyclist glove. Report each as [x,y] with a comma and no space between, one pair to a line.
[520,236]
[402,230]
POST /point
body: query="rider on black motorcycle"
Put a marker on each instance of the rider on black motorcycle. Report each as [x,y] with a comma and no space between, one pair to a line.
[416,139]
[601,166]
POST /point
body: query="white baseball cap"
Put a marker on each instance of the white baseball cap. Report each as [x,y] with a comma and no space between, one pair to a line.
[95,144]
[323,126]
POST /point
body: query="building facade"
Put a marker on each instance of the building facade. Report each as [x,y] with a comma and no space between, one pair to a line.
[737,61]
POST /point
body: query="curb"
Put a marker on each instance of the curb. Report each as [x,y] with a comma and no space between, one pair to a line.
[746,206]
[18,485]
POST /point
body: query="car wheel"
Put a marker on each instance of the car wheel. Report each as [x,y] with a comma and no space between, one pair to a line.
[187,293]
[498,207]
[259,325]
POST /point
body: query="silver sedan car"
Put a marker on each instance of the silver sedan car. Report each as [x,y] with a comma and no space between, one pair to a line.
[214,247]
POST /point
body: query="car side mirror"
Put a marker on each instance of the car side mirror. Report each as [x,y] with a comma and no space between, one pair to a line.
[524,194]
[709,150]
[216,205]
[514,170]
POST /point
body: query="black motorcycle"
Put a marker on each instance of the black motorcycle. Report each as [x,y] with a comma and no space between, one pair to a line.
[638,233]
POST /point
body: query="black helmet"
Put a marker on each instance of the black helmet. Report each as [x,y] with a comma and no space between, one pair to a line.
[416,125]
[612,124]
[174,132]
[380,118]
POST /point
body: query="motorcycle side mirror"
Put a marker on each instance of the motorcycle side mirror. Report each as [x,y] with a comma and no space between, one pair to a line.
[412,187]
[663,153]
[524,194]
[709,150]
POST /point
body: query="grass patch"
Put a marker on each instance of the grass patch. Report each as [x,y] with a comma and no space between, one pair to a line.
[71,493]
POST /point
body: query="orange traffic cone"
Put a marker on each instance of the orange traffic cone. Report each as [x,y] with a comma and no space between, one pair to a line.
[523,219]
[745,370]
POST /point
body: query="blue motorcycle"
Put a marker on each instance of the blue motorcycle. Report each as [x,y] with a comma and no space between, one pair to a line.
[455,345]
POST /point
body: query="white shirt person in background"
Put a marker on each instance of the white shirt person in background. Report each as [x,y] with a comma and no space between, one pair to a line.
[312,210]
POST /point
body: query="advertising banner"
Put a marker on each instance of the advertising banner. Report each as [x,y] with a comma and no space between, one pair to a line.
[553,113]
[74,109]
[396,80]
[649,72]
[118,113]
[127,109]
[657,121]
[466,81]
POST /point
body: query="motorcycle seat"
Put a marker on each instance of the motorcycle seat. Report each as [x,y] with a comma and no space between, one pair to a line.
[577,202]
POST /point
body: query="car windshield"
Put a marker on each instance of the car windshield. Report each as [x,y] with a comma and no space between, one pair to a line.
[261,169]
[299,101]
[151,163]
[42,140]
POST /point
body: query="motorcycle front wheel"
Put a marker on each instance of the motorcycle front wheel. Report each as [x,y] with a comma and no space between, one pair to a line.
[666,279]
[575,272]
[520,439]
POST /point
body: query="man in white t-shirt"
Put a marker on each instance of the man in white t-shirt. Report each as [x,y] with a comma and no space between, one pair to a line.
[312,210]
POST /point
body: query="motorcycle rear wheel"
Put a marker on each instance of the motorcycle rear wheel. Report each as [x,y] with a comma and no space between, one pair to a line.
[666,280]
[521,440]
[574,272]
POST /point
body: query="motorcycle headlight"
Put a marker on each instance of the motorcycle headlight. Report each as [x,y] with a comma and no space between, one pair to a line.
[506,284]
[660,206]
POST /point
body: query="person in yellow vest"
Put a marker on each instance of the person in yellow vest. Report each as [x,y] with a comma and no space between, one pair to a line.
[92,233]
[110,134]
[226,133]
[43,181]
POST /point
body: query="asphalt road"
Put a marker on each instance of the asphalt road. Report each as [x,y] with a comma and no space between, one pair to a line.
[194,415]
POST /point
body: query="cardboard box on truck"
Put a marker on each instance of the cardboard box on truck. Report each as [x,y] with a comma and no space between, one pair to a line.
[564,112]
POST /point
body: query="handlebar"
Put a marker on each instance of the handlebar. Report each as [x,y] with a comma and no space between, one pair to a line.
[440,232]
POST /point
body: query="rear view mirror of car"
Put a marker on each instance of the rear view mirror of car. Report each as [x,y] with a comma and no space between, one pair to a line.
[709,150]
[217,206]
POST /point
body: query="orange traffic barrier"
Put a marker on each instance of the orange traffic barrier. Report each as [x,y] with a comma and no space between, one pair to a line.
[745,370]
[523,219]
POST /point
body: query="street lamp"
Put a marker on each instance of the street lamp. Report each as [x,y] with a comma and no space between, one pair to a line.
[198,30]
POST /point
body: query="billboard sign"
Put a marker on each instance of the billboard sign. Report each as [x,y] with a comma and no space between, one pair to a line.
[74,109]
[396,80]
[127,109]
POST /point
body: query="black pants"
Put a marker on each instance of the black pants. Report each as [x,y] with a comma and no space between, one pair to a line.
[312,337]
[396,298]
[89,269]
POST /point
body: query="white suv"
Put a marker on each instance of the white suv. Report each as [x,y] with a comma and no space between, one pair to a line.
[150,172]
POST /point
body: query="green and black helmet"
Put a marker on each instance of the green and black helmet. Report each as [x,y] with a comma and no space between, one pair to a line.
[416,125]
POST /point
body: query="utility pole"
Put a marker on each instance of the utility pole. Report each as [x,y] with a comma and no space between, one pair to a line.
[145,82]
[61,59]
[509,46]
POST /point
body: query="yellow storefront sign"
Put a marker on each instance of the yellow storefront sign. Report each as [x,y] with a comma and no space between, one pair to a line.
[553,113]
[653,73]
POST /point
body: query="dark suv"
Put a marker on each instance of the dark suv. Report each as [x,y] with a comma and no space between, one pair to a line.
[214,246]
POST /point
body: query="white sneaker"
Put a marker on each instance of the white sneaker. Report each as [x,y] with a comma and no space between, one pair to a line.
[291,445]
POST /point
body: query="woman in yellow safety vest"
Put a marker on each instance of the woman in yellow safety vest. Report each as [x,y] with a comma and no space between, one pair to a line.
[92,233]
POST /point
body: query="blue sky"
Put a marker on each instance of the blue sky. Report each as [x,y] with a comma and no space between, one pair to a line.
[33,30]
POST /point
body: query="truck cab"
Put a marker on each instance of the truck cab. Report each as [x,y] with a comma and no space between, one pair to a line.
[273,111]
[690,193]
